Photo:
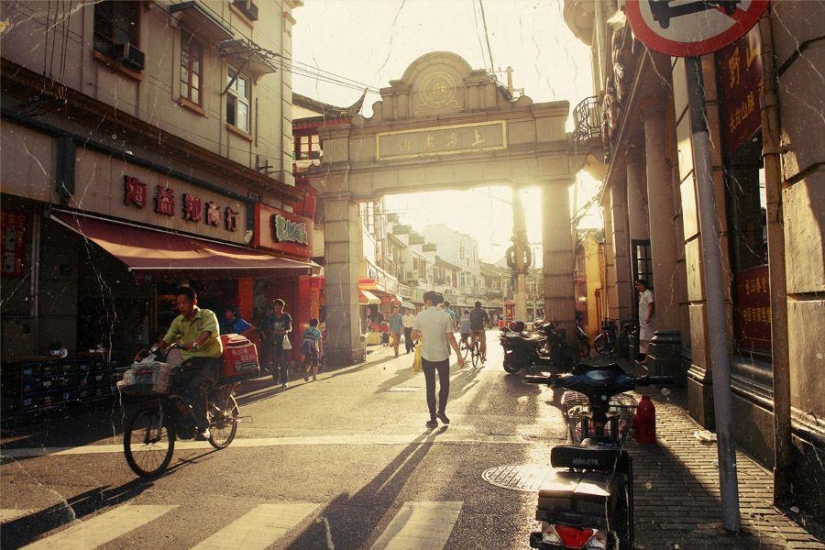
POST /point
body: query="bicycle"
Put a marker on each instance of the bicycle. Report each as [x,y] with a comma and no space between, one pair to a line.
[475,350]
[464,347]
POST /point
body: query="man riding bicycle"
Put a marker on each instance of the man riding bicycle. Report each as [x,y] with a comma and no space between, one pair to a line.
[479,321]
[197,332]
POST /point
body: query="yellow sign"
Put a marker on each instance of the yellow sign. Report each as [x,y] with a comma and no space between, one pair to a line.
[443,140]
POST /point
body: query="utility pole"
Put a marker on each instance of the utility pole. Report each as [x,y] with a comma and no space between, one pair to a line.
[521,262]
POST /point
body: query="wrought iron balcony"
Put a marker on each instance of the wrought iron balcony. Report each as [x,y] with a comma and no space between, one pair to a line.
[588,119]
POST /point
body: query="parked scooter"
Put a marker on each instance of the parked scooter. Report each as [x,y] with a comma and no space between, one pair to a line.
[560,353]
[587,502]
[521,349]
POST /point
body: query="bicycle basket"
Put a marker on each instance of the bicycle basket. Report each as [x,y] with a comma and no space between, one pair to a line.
[146,379]
[577,415]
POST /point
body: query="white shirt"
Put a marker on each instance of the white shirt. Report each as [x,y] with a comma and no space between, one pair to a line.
[408,320]
[434,324]
[645,328]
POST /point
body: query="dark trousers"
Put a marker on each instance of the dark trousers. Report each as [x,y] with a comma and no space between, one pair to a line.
[443,369]
[279,367]
[408,341]
[200,374]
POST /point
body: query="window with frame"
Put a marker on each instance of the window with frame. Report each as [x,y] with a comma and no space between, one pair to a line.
[238,99]
[307,147]
[191,69]
[116,23]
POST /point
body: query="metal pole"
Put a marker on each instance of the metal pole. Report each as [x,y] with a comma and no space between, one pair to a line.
[715,296]
[520,244]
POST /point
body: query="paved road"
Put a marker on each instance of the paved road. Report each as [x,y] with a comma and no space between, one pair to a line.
[344,462]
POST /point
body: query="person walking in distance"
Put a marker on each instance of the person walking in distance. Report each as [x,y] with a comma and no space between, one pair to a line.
[479,321]
[396,322]
[436,328]
[408,320]
[646,319]
[281,323]
[311,349]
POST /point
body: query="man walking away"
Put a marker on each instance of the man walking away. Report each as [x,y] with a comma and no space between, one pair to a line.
[479,321]
[436,328]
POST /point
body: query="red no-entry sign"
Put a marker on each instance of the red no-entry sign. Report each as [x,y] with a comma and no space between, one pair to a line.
[685,28]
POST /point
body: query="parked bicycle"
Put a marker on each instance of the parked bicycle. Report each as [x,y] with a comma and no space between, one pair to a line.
[613,337]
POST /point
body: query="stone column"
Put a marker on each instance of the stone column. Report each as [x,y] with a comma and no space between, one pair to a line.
[664,244]
[557,237]
[622,295]
[343,254]
[637,220]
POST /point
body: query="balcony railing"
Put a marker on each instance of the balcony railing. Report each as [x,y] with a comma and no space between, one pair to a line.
[588,119]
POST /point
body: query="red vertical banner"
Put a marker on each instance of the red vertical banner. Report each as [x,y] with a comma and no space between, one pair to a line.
[753,309]
[13,231]
[740,87]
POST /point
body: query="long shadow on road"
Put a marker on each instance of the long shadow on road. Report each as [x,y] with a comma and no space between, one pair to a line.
[352,519]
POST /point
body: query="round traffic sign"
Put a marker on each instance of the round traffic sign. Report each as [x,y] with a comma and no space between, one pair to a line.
[684,28]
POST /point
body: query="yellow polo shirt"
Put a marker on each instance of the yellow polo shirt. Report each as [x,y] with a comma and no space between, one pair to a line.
[186,331]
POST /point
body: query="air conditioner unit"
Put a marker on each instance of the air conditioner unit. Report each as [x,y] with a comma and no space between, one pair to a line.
[130,56]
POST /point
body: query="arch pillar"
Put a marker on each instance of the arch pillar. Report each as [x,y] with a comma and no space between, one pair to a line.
[559,246]
[343,249]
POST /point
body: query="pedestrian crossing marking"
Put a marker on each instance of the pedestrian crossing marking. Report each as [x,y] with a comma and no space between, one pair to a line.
[101,529]
[424,525]
[10,514]
[260,527]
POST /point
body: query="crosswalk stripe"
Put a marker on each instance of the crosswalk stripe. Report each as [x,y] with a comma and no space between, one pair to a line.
[422,525]
[10,514]
[260,527]
[101,529]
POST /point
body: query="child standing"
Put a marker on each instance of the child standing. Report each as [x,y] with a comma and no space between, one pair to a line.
[311,349]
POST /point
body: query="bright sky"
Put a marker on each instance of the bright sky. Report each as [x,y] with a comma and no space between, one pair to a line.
[373,41]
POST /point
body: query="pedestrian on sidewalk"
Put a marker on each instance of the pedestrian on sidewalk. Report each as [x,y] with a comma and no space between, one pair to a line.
[279,323]
[436,328]
[408,320]
[396,322]
[646,319]
[311,350]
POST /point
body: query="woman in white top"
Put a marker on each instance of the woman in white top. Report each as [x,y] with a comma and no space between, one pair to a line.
[646,312]
[436,328]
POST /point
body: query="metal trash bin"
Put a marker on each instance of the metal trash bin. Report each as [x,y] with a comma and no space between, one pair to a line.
[664,355]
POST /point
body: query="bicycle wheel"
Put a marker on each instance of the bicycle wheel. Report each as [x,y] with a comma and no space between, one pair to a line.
[465,349]
[476,353]
[603,346]
[147,444]
[223,419]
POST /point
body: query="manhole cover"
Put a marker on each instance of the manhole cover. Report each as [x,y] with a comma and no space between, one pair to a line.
[404,388]
[519,477]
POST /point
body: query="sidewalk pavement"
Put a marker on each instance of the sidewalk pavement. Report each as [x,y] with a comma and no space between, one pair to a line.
[677,494]
[678,503]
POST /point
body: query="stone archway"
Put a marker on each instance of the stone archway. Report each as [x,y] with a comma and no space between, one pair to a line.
[443,125]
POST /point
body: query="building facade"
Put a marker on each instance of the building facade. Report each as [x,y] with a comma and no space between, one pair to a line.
[764,102]
[144,145]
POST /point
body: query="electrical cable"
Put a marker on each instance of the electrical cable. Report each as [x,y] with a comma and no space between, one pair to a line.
[487,36]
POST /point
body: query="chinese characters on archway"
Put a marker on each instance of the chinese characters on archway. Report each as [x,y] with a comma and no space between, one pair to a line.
[193,208]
